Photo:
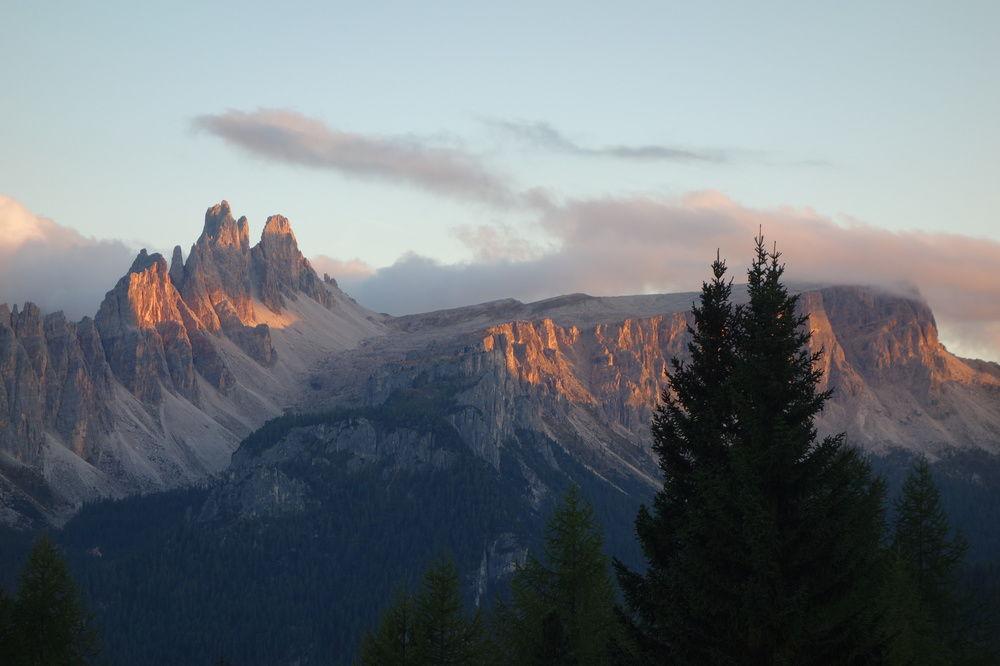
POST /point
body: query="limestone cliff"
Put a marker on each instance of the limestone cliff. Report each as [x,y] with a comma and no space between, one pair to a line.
[182,361]
[280,270]
[158,388]
[580,376]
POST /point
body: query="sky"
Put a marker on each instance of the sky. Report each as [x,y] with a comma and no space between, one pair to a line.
[435,154]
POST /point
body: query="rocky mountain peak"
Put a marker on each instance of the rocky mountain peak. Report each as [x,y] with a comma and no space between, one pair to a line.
[891,338]
[280,269]
[222,230]
[216,279]
[145,261]
[151,338]
[177,266]
[278,225]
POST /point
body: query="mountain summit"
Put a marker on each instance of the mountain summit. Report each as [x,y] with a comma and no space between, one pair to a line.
[173,370]
[183,361]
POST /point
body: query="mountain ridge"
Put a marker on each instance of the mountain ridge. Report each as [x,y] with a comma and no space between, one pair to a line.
[171,372]
[184,359]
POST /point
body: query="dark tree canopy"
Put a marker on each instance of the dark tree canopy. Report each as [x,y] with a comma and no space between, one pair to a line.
[764,542]
[926,620]
[46,624]
[561,609]
[430,628]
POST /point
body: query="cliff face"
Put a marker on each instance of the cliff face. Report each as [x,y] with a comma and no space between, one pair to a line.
[182,361]
[216,279]
[54,377]
[895,385]
[529,388]
[172,371]
[280,270]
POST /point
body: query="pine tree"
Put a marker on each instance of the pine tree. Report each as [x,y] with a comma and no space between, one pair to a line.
[391,644]
[931,555]
[50,625]
[562,610]
[764,543]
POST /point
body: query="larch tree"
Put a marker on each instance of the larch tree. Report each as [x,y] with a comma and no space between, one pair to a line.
[562,608]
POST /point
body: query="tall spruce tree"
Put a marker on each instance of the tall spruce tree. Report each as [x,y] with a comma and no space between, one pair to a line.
[929,556]
[773,554]
[562,609]
[48,624]
[692,430]
[812,513]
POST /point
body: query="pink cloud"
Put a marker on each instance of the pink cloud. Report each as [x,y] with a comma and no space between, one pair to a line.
[614,246]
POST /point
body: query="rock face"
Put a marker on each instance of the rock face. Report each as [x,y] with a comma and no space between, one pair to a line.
[216,280]
[280,270]
[183,361]
[463,427]
[579,375]
[172,371]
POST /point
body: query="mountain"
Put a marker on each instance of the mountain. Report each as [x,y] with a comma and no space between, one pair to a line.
[177,366]
[320,453]
[456,432]
[183,360]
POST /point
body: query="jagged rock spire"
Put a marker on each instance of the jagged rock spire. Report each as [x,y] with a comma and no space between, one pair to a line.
[177,267]
[216,283]
[280,270]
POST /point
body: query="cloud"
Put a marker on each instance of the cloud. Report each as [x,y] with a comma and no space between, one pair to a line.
[544,135]
[615,246]
[349,269]
[55,266]
[290,137]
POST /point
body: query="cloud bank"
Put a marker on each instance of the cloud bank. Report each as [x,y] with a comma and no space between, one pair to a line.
[543,135]
[290,137]
[615,246]
[55,266]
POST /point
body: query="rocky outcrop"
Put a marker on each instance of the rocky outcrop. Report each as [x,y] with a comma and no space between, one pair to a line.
[558,383]
[182,361]
[54,379]
[21,405]
[177,267]
[280,270]
[175,368]
[144,324]
[216,281]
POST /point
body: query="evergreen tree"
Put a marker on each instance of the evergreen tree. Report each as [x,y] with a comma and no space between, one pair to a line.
[562,610]
[930,556]
[443,634]
[811,512]
[49,624]
[692,428]
[430,628]
[770,551]
[391,644]
[909,631]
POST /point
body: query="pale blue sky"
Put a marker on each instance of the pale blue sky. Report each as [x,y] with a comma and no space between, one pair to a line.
[897,102]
